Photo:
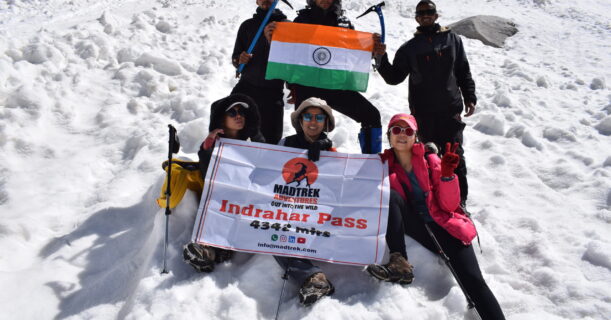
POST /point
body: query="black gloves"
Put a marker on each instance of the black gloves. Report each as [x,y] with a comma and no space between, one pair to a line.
[316,146]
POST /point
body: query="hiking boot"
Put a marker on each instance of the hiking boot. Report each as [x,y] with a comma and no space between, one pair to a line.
[200,257]
[314,288]
[396,270]
[223,255]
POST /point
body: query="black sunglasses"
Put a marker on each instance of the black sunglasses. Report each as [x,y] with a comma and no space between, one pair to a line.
[427,12]
[233,112]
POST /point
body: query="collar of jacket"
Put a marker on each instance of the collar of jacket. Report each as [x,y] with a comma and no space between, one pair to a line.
[397,174]
[302,139]
[435,29]
[277,15]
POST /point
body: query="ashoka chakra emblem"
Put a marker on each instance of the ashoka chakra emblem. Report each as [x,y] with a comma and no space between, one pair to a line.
[321,56]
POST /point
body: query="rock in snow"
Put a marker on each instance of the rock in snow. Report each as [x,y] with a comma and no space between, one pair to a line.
[491,30]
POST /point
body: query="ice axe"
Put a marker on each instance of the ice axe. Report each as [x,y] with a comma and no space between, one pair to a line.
[378,9]
[259,31]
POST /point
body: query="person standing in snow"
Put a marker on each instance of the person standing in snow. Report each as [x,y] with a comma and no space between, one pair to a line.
[439,74]
[268,94]
[350,103]
[425,191]
[311,120]
[234,117]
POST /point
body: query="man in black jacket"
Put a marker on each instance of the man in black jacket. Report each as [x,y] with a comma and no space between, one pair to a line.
[439,79]
[350,103]
[268,94]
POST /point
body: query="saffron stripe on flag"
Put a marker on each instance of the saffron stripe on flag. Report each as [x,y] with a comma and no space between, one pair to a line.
[333,58]
[317,77]
[324,36]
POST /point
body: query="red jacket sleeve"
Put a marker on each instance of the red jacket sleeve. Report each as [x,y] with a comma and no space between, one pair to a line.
[447,192]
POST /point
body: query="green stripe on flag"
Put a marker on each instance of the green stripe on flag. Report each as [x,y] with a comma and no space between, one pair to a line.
[318,77]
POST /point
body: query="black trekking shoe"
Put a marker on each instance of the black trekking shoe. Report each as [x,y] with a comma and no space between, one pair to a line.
[223,255]
[200,257]
[314,288]
[396,270]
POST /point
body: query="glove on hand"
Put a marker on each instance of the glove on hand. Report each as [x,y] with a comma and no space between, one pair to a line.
[314,149]
[449,161]
[212,136]
[208,143]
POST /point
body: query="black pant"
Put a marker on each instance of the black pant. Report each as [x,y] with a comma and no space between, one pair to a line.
[349,103]
[441,129]
[462,258]
[271,108]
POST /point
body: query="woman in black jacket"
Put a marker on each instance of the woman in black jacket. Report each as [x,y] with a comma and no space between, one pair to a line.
[234,117]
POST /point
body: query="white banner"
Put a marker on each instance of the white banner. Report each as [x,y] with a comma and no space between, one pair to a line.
[270,199]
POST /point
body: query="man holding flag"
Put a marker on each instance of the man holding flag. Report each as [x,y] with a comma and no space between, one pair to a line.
[335,66]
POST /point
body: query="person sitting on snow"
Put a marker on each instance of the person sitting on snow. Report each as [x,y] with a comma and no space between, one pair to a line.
[425,196]
[234,117]
[311,120]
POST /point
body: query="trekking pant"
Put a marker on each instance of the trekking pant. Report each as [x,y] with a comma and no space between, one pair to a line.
[395,229]
[298,269]
[441,129]
[462,258]
[349,103]
[271,108]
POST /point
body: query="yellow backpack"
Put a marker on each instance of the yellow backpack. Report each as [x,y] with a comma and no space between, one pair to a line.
[185,175]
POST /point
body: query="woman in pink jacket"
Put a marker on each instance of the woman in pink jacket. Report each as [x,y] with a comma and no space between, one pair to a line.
[425,192]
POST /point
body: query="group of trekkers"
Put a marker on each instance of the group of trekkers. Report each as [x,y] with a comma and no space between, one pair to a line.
[428,192]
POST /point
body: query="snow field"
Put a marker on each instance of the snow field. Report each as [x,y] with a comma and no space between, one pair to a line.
[87,89]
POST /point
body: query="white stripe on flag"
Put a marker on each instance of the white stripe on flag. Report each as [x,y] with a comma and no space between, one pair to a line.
[327,57]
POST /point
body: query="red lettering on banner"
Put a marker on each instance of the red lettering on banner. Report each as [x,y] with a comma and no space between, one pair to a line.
[281,215]
[361,224]
[336,222]
[349,223]
[322,217]
[247,211]
[293,216]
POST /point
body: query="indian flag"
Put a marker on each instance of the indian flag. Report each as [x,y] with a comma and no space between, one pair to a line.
[320,56]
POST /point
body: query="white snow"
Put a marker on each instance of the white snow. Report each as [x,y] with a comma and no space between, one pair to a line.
[87,89]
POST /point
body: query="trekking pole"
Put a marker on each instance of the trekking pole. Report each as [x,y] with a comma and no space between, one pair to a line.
[446,259]
[259,31]
[284,276]
[174,146]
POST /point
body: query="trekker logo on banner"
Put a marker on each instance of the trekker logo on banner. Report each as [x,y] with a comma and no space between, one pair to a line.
[269,199]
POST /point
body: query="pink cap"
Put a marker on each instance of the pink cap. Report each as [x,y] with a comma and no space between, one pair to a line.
[407,118]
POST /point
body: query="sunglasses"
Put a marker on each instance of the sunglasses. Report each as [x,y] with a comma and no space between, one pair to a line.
[233,112]
[307,117]
[396,130]
[428,12]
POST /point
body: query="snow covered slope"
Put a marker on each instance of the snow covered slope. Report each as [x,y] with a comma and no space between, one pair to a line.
[87,89]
